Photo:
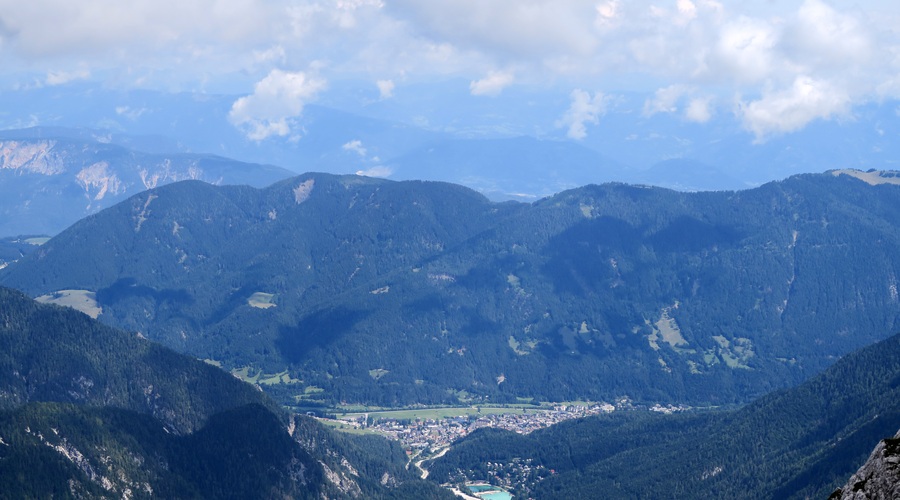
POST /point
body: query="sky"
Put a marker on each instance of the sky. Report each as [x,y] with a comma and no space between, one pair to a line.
[776,66]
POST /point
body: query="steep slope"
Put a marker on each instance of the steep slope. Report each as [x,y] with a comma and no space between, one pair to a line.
[55,354]
[68,451]
[879,477]
[334,289]
[50,178]
[89,411]
[798,443]
[12,249]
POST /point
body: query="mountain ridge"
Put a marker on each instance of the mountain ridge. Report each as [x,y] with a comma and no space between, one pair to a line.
[607,290]
[50,177]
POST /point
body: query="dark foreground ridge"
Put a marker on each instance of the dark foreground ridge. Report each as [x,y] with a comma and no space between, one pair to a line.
[797,443]
[93,412]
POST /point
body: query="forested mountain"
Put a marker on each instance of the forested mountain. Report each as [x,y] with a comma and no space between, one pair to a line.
[330,289]
[90,411]
[798,443]
[60,355]
[51,177]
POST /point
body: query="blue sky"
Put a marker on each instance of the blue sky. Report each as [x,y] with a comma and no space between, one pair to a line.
[775,66]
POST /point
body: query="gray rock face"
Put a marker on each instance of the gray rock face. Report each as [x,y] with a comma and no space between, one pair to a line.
[878,478]
[46,184]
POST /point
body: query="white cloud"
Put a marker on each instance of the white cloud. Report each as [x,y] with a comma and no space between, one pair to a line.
[493,84]
[745,51]
[821,36]
[59,27]
[130,113]
[607,12]
[276,101]
[379,171]
[665,100]
[508,28]
[687,8]
[793,108]
[699,110]
[385,89]
[355,146]
[718,48]
[63,77]
[583,110]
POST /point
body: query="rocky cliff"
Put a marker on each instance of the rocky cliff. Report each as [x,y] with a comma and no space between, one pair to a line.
[50,180]
[878,478]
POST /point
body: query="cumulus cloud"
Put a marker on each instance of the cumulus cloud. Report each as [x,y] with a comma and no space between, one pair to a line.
[821,36]
[665,100]
[493,84]
[130,113]
[355,146]
[585,109]
[793,108]
[687,8]
[699,110]
[63,77]
[607,12]
[745,51]
[505,27]
[276,101]
[713,47]
[379,171]
[385,89]
[59,27]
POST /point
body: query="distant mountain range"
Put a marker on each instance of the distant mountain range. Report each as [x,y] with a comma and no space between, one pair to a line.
[87,411]
[508,147]
[326,289]
[51,177]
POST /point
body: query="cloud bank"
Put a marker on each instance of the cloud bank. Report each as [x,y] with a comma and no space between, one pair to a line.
[775,58]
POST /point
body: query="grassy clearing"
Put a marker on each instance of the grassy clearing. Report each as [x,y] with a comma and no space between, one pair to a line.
[735,354]
[872,178]
[80,300]
[521,349]
[262,300]
[251,375]
[349,429]
[669,330]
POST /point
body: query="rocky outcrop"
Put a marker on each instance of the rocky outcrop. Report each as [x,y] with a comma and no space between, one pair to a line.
[46,184]
[37,157]
[878,478]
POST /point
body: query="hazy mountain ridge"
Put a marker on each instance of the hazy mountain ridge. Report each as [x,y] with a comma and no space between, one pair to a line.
[354,131]
[402,292]
[49,178]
